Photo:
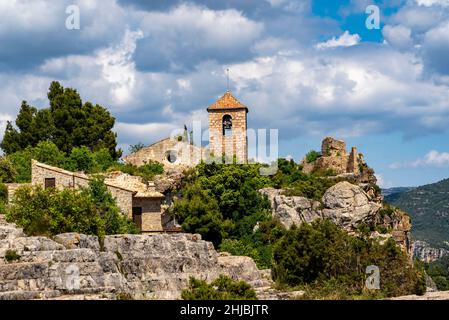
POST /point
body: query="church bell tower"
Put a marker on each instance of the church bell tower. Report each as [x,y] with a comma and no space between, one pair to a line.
[227,128]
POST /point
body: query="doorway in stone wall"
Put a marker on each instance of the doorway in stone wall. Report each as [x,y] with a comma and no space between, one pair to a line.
[137,217]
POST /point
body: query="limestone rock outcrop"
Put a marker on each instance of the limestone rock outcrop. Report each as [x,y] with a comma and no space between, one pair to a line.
[424,252]
[290,210]
[348,206]
[76,266]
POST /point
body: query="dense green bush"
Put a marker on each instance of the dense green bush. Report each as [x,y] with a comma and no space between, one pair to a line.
[3,193]
[7,171]
[223,288]
[312,155]
[439,271]
[298,183]
[315,255]
[49,211]
[222,201]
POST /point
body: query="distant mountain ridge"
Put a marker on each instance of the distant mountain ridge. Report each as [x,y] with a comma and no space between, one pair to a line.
[428,207]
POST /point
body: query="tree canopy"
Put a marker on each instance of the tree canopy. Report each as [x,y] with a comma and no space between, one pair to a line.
[68,123]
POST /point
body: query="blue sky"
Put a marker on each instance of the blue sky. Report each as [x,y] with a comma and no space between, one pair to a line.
[308,68]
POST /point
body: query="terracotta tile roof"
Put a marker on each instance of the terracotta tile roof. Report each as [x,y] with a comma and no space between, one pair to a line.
[227,101]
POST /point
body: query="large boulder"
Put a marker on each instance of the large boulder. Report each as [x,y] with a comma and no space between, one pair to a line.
[348,206]
[290,210]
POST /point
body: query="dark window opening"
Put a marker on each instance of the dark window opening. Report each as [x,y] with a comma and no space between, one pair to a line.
[50,183]
[227,125]
[137,217]
[171,156]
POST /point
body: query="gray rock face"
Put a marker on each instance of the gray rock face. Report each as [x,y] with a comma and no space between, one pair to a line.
[290,210]
[345,204]
[424,252]
[140,266]
[348,205]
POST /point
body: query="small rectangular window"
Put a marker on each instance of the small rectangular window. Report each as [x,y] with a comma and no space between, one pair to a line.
[50,183]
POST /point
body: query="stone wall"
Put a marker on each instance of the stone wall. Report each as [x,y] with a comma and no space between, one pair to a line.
[335,157]
[151,213]
[66,179]
[236,144]
[185,154]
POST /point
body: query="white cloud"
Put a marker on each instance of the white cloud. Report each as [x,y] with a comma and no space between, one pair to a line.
[118,68]
[398,36]
[428,3]
[431,159]
[382,182]
[345,40]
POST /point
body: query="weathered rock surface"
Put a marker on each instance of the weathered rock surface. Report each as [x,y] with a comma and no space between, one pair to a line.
[347,205]
[424,252]
[139,266]
[290,210]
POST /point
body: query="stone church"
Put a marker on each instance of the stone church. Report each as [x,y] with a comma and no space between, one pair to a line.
[227,137]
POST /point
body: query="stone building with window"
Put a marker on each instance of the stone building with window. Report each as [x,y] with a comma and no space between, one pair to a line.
[227,136]
[138,200]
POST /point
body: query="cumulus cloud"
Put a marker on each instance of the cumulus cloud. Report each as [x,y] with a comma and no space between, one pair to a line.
[398,36]
[187,35]
[345,40]
[432,159]
[34,30]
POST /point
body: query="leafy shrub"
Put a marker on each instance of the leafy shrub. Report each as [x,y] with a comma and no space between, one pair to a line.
[221,201]
[223,288]
[49,211]
[7,171]
[3,193]
[312,255]
[312,155]
[11,255]
[238,248]
[439,271]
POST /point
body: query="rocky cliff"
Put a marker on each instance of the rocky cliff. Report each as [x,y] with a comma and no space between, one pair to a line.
[347,205]
[424,252]
[75,266]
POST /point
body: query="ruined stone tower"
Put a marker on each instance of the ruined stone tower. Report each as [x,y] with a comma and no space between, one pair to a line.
[227,128]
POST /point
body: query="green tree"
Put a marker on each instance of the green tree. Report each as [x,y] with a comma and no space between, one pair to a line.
[45,151]
[68,123]
[322,256]
[80,159]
